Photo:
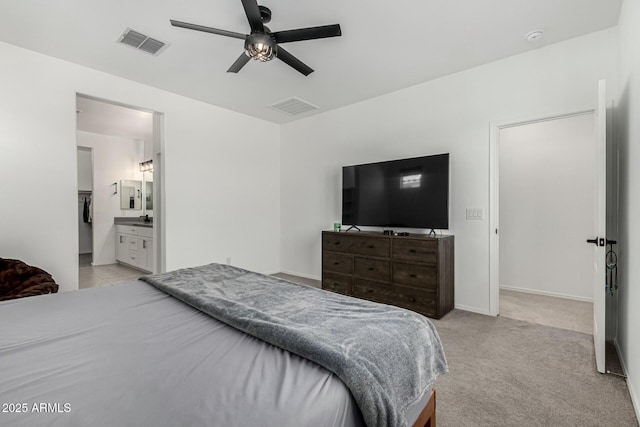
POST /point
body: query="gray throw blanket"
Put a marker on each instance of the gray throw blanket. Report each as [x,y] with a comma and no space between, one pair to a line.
[388,357]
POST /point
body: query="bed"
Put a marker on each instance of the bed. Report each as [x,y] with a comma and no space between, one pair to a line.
[133,354]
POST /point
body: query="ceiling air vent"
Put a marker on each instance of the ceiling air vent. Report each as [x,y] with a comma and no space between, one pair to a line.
[142,42]
[293,106]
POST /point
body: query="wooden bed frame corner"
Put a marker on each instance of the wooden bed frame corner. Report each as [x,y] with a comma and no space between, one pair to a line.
[427,417]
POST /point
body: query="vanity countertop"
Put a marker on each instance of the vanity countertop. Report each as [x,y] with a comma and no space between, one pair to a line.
[136,224]
[132,221]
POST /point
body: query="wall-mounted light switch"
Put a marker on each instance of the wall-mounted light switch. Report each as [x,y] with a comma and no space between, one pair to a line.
[474,213]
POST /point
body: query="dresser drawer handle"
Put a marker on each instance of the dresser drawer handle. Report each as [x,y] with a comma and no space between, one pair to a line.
[371,269]
[336,263]
[412,275]
[371,246]
[336,243]
[413,251]
[412,300]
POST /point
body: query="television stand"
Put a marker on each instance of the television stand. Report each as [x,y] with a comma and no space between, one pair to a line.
[432,233]
[353,226]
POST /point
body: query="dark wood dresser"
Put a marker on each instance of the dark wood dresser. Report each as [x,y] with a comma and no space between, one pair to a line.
[414,272]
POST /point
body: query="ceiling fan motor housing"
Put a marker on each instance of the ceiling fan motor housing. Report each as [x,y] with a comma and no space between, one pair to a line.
[260,46]
[265,13]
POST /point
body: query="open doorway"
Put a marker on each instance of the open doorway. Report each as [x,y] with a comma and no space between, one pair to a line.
[120,213]
[546,204]
[603,178]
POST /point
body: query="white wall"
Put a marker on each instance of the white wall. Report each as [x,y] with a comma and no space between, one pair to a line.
[451,114]
[547,194]
[85,169]
[221,169]
[114,159]
[627,135]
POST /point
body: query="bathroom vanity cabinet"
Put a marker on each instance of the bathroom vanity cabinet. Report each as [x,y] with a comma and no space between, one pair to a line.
[134,246]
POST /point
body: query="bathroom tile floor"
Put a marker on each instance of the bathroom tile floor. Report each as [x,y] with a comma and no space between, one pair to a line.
[105,275]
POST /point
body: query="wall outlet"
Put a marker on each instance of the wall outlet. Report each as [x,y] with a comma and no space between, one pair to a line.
[474,214]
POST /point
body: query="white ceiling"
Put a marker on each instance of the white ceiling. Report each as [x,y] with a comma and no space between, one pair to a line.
[108,119]
[385,46]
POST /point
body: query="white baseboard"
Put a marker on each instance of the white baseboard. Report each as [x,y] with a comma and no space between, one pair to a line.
[632,393]
[306,276]
[473,309]
[270,273]
[546,293]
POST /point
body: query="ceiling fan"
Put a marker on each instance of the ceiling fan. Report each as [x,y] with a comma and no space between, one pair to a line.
[262,44]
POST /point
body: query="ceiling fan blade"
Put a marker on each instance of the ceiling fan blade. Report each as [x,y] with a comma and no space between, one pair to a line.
[293,62]
[307,33]
[240,62]
[207,29]
[253,15]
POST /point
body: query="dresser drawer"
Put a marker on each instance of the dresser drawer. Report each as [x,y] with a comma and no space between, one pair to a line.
[423,276]
[336,283]
[371,268]
[419,300]
[357,245]
[416,250]
[373,291]
[337,262]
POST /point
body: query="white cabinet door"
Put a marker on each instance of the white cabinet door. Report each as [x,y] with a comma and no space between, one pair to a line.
[145,253]
[122,247]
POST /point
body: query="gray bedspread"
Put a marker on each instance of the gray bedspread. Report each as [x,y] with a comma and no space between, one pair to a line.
[131,355]
[388,357]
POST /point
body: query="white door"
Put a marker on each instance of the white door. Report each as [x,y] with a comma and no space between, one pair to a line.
[599,240]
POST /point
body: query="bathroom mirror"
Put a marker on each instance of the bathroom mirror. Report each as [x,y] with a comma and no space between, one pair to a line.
[130,194]
[148,194]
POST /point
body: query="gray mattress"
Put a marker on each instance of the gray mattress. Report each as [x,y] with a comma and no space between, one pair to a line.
[132,355]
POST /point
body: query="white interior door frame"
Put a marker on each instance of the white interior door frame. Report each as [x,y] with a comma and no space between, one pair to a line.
[599,295]
[159,199]
[494,194]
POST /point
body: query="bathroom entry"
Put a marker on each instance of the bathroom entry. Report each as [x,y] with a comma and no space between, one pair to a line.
[119,140]
[85,206]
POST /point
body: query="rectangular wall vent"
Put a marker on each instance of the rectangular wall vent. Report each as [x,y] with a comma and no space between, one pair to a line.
[142,42]
[293,106]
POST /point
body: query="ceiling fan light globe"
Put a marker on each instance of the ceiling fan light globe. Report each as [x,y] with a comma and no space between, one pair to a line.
[260,47]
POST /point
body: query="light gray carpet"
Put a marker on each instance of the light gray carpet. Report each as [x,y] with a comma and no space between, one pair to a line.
[506,372]
[547,310]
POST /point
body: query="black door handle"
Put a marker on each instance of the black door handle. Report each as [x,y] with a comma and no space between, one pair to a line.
[597,241]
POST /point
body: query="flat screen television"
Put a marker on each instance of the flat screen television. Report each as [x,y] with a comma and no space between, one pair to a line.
[409,193]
